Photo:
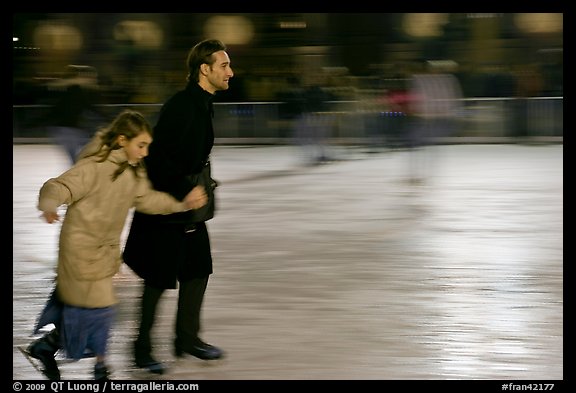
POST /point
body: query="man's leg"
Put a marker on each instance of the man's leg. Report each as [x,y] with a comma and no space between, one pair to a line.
[190,298]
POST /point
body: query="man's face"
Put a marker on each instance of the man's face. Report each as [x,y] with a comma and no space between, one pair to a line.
[220,72]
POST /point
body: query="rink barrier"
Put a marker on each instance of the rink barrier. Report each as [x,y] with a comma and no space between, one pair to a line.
[481,120]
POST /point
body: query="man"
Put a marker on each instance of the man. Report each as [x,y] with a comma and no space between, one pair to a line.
[176,248]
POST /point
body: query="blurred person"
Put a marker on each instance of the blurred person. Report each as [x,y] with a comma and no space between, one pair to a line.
[497,81]
[291,107]
[374,109]
[99,191]
[529,83]
[75,100]
[313,125]
[174,251]
[399,104]
[435,106]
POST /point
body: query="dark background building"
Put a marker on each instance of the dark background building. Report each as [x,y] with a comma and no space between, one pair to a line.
[141,57]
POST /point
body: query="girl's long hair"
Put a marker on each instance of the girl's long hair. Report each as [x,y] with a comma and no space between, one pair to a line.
[129,123]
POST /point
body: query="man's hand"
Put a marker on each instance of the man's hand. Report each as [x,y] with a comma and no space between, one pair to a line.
[196,198]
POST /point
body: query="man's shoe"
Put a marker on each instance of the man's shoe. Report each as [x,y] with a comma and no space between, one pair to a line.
[201,351]
[150,364]
[44,351]
[101,372]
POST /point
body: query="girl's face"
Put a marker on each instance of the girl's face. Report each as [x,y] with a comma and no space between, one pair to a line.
[136,148]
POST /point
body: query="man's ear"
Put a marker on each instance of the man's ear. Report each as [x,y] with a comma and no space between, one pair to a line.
[204,68]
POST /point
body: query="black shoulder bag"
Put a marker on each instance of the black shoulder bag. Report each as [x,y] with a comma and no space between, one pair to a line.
[204,178]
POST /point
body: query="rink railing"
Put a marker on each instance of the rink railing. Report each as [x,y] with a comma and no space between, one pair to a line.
[482,120]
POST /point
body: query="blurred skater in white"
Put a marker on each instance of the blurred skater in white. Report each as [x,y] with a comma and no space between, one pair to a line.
[436,106]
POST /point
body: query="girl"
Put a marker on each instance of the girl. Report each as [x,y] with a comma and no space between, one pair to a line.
[99,190]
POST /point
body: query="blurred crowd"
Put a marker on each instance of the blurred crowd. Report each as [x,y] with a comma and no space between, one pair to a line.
[334,64]
[536,79]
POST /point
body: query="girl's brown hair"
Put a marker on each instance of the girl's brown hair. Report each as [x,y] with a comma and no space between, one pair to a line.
[129,123]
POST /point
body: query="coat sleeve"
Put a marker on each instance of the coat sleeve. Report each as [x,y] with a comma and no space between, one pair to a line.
[150,201]
[70,186]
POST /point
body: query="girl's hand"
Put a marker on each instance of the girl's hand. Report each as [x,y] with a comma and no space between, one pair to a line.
[196,198]
[51,217]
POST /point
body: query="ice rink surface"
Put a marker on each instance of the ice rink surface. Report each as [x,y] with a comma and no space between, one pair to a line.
[349,270]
